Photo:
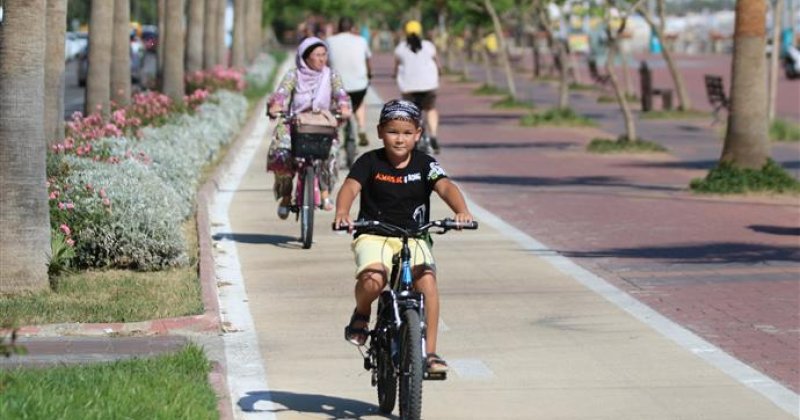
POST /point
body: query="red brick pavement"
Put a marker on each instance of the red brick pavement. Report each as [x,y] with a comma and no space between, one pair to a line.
[726,268]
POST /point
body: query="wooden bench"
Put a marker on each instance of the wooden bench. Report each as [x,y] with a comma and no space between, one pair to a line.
[647,91]
[600,79]
[716,94]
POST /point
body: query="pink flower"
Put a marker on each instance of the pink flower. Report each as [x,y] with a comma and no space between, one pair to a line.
[64,228]
[53,195]
[70,206]
[70,242]
[103,192]
[106,202]
[62,206]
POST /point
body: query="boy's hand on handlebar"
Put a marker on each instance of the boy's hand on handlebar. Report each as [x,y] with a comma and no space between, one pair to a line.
[463,218]
[341,220]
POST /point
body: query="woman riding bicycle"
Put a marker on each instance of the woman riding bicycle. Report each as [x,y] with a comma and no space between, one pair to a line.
[395,183]
[311,86]
[416,68]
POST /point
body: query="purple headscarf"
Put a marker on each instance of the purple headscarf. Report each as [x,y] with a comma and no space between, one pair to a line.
[313,89]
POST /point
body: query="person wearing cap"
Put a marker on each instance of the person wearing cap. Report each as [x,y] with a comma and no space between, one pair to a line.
[350,57]
[416,69]
[311,86]
[395,183]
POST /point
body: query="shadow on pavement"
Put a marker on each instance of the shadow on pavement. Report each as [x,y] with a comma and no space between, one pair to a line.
[775,230]
[701,164]
[462,119]
[533,181]
[255,238]
[514,145]
[710,253]
[334,407]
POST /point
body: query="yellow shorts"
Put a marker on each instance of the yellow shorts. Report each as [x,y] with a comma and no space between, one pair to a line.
[375,249]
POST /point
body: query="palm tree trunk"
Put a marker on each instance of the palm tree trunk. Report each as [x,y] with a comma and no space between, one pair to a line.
[209,35]
[222,49]
[487,66]
[502,50]
[194,36]
[777,14]
[24,209]
[238,48]
[563,85]
[173,51]
[630,125]
[162,16]
[54,71]
[746,139]
[121,53]
[98,81]
[254,29]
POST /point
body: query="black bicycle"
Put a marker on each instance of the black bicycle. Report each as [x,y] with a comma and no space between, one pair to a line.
[396,351]
[349,136]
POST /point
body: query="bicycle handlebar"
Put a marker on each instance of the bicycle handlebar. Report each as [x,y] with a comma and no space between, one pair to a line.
[446,224]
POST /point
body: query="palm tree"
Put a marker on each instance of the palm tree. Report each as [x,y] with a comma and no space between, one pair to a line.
[253,37]
[194,35]
[746,139]
[173,51]
[98,82]
[24,209]
[209,34]
[238,56]
[54,71]
[222,49]
[121,53]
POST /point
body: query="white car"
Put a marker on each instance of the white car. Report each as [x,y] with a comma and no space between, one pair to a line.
[74,43]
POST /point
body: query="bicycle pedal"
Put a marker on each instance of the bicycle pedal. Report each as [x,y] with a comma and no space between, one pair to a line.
[434,376]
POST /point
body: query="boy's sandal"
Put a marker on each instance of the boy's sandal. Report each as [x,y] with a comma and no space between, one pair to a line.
[357,335]
[435,364]
[327,204]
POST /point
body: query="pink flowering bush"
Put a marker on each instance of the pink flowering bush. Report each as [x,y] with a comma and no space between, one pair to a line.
[216,79]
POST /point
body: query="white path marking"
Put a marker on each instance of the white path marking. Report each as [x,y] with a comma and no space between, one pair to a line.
[766,386]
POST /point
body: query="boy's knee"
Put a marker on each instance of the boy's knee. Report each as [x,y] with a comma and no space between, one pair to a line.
[372,278]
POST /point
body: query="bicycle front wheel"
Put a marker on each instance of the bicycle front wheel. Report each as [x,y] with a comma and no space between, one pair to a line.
[411,365]
[307,209]
[387,379]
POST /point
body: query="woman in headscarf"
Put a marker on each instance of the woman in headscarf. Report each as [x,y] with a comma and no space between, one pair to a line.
[310,86]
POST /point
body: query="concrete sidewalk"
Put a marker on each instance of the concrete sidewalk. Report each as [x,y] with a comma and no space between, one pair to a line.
[525,338]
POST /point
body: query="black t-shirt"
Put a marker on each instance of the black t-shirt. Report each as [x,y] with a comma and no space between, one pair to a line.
[398,196]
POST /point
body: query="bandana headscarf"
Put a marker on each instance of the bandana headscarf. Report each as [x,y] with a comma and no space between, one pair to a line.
[313,89]
[400,109]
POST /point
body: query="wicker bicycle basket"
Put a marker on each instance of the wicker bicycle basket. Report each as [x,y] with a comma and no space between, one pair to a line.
[312,142]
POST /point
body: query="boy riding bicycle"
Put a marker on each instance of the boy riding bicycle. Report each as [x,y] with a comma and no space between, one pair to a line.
[395,184]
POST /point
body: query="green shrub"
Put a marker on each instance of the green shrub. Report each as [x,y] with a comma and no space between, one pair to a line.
[725,178]
[489,90]
[622,145]
[675,114]
[781,130]
[510,103]
[557,116]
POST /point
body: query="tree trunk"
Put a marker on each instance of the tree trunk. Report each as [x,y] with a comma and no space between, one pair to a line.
[563,86]
[501,49]
[54,71]
[173,51]
[256,28]
[222,49]
[98,80]
[677,78]
[121,53]
[777,14]
[162,16]
[630,125]
[238,48]
[487,66]
[209,35]
[194,36]
[24,209]
[746,139]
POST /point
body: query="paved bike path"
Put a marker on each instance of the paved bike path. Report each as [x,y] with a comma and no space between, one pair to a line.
[525,339]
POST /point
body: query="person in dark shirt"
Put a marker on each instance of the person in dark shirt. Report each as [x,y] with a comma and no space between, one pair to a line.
[395,184]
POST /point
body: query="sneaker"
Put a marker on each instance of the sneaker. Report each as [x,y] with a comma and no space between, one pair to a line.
[283,212]
[362,139]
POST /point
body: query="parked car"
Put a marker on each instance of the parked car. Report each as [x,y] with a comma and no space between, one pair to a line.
[74,43]
[137,63]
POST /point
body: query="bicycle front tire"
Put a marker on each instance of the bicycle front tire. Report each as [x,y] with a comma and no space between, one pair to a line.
[411,365]
[307,209]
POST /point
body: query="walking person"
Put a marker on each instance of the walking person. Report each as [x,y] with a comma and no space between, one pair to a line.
[395,183]
[416,68]
[350,57]
[310,86]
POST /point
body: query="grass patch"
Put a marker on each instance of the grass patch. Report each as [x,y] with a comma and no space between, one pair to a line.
[604,99]
[170,386]
[781,130]
[728,179]
[489,90]
[509,103]
[581,86]
[622,145]
[675,114]
[557,116]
